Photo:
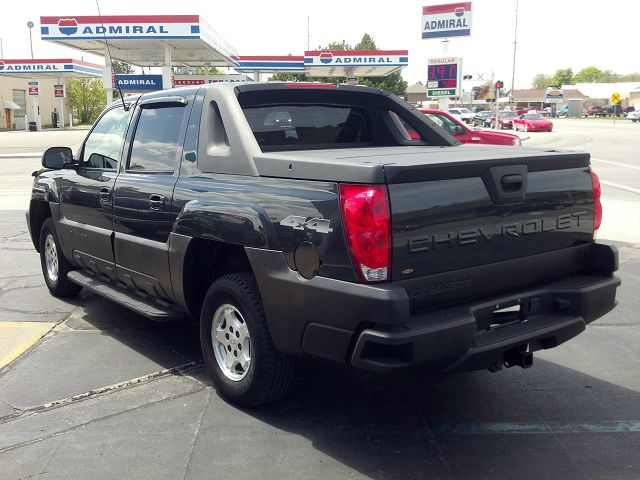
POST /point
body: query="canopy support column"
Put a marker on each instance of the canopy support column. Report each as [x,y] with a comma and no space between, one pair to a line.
[166,69]
[107,77]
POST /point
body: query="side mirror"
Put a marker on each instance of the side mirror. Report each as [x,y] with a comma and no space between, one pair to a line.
[457,130]
[57,157]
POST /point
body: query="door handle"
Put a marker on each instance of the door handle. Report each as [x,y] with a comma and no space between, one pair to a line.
[105,194]
[156,201]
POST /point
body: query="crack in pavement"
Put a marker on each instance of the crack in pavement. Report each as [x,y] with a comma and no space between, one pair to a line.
[177,370]
[105,417]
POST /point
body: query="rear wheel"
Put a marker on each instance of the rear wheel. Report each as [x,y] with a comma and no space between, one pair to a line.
[54,264]
[239,354]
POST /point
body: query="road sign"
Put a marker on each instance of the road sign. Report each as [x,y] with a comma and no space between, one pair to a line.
[553,95]
[451,20]
[442,79]
[615,98]
[33,88]
[58,91]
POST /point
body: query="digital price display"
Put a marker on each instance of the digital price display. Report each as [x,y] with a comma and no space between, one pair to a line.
[445,75]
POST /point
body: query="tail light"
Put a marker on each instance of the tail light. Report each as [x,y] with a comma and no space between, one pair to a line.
[597,205]
[367,225]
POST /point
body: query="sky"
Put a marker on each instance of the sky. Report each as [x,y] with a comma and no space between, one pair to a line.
[552,34]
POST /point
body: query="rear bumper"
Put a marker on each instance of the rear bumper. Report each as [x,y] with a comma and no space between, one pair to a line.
[371,326]
[461,338]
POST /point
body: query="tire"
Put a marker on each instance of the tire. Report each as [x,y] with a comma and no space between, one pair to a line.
[55,266]
[257,373]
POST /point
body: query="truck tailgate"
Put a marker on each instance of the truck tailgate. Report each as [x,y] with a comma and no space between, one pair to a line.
[451,216]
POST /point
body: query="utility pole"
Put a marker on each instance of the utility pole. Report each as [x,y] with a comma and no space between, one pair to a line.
[308,32]
[36,106]
[515,46]
[1,49]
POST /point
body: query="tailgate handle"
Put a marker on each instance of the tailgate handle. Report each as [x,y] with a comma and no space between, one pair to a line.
[511,183]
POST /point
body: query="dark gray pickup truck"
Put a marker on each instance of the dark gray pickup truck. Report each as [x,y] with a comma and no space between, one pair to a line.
[332,221]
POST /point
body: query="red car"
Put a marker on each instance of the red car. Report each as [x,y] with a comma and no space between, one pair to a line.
[467,135]
[532,122]
[506,119]
[520,111]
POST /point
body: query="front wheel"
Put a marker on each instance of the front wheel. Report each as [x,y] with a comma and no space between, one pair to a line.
[55,266]
[238,352]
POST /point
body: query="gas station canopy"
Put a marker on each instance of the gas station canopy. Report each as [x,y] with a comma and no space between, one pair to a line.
[330,63]
[143,39]
[55,68]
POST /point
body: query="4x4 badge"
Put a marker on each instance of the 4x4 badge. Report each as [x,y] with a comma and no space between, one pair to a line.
[320,225]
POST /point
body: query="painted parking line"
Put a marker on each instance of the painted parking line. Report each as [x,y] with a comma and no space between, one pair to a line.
[635,167]
[621,187]
[529,428]
[21,155]
[17,337]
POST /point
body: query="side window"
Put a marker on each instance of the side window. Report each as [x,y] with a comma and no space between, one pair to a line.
[156,141]
[104,144]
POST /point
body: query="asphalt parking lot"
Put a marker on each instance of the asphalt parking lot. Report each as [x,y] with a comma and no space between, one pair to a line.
[91,390]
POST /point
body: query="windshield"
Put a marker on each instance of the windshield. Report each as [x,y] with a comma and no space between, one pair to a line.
[533,116]
[486,113]
[464,110]
[508,114]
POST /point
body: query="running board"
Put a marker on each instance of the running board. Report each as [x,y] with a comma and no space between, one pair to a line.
[138,302]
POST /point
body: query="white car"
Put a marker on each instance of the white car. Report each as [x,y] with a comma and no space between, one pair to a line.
[634,116]
[463,114]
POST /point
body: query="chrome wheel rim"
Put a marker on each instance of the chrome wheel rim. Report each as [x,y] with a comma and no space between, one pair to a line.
[51,257]
[231,342]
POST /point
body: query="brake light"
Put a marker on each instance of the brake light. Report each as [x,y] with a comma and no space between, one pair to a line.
[367,226]
[310,85]
[597,205]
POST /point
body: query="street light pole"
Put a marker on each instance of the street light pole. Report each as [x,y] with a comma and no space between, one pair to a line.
[36,106]
[1,49]
[515,46]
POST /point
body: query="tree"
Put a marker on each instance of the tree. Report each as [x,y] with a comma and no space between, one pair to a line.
[87,96]
[588,75]
[290,77]
[120,68]
[482,92]
[341,45]
[563,76]
[542,81]
[212,71]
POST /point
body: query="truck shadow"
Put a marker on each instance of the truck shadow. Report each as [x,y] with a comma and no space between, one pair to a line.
[547,422]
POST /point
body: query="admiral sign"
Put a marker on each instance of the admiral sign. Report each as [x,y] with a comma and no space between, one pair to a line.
[138,83]
[356,58]
[450,20]
[124,27]
[55,66]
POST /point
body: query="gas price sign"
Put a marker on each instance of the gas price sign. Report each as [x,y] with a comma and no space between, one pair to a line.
[442,80]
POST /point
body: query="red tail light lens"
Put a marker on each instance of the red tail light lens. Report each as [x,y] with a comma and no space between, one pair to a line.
[597,205]
[367,225]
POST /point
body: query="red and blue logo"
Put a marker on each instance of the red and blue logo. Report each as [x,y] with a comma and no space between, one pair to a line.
[326,57]
[459,11]
[1,65]
[68,26]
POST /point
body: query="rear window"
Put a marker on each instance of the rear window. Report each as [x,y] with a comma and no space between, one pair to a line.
[277,126]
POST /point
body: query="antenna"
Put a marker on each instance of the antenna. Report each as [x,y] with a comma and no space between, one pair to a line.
[104,34]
